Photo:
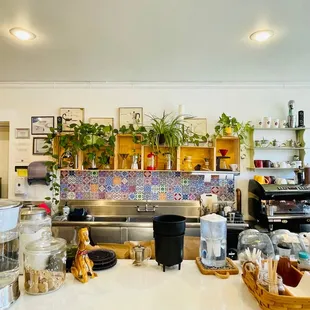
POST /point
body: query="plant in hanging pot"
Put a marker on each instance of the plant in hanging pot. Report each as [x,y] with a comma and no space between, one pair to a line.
[229,126]
[165,131]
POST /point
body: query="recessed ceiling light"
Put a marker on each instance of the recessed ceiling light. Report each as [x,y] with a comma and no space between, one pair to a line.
[261,35]
[22,34]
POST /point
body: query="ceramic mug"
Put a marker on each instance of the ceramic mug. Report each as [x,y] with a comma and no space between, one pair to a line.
[276,143]
[265,143]
[280,181]
[283,124]
[267,163]
[233,167]
[294,164]
[260,124]
[268,180]
[267,122]
[283,164]
[258,143]
[260,179]
[258,163]
[272,179]
[275,123]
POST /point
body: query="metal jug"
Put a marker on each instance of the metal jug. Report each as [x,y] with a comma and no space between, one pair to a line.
[140,254]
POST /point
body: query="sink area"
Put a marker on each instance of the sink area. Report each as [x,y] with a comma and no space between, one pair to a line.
[135,219]
[140,219]
[110,219]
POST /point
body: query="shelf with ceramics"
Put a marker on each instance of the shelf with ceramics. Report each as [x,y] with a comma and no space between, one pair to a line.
[294,145]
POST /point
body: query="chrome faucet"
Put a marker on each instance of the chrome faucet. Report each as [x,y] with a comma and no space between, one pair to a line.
[147,208]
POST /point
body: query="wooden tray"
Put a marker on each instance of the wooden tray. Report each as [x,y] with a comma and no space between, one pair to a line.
[220,273]
[122,251]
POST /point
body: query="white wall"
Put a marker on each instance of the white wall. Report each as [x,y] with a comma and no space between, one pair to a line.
[19,102]
[4,160]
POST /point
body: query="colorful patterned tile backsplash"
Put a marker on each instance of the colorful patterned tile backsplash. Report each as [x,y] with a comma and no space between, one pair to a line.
[137,185]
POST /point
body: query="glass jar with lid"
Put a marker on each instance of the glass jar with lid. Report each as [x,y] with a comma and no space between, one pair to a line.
[44,264]
[33,222]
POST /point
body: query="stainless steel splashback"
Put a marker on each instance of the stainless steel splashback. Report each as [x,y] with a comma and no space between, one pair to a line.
[134,207]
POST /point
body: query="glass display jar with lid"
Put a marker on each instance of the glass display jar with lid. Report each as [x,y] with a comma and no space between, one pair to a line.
[33,222]
[44,264]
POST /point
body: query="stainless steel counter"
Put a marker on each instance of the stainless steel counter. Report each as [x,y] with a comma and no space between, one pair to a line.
[120,221]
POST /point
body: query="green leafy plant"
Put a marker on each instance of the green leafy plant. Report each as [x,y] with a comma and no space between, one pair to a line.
[166,130]
[228,123]
[52,167]
[94,138]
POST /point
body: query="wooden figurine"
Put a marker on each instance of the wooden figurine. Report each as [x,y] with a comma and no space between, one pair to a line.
[82,266]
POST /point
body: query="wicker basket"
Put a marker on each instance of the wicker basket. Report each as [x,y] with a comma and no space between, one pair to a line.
[268,301]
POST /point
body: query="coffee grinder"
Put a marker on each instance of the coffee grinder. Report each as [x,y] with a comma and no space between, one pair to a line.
[221,164]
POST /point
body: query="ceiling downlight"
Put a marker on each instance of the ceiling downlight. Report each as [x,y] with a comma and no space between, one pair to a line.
[261,35]
[22,34]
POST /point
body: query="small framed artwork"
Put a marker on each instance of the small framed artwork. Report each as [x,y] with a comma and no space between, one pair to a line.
[129,116]
[196,125]
[22,133]
[106,121]
[71,116]
[38,146]
[40,125]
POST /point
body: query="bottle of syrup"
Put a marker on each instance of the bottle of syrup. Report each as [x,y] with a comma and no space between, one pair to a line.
[290,276]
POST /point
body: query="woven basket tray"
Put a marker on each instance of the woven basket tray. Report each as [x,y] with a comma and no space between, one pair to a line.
[220,273]
[268,301]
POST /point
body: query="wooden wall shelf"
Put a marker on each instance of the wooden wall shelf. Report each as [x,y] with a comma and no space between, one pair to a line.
[125,145]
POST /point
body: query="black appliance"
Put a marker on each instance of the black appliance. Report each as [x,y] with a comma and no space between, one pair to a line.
[169,233]
[301,119]
[59,123]
[290,205]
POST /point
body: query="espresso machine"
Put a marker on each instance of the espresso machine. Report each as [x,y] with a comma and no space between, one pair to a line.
[280,206]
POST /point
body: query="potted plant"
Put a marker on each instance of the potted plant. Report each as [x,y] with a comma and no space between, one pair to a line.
[166,131]
[94,138]
[227,126]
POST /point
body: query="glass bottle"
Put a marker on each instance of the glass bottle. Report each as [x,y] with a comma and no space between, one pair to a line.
[188,165]
[289,275]
[134,164]
[168,161]
[151,161]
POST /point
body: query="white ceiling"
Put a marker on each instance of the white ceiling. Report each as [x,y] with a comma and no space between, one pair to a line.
[155,40]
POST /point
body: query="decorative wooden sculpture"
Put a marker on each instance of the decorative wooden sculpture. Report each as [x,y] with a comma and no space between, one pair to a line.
[82,266]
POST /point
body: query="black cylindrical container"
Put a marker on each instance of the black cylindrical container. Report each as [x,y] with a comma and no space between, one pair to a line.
[169,233]
[169,225]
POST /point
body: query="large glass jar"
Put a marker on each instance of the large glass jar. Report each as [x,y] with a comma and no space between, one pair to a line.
[33,222]
[251,239]
[9,225]
[44,264]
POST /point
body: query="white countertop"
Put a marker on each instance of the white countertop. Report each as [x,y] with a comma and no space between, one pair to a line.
[127,287]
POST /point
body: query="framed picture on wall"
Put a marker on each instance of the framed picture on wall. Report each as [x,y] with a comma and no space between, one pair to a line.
[130,115]
[22,133]
[196,125]
[40,125]
[106,121]
[38,146]
[71,116]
